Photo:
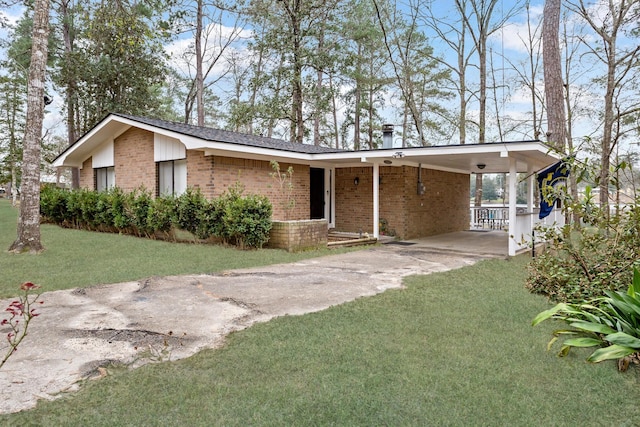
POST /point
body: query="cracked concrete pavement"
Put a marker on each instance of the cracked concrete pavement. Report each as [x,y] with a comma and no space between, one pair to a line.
[81,330]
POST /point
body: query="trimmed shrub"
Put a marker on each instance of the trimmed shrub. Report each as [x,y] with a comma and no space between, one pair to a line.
[139,203]
[188,212]
[161,214]
[118,200]
[246,220]
[53,204]
[241,220]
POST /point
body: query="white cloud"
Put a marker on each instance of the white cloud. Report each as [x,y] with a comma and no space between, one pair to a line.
[515,34]
[11,15]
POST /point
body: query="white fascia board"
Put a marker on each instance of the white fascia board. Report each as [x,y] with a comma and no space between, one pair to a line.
[248,152]
[93,139]
[61,159]
[81,151]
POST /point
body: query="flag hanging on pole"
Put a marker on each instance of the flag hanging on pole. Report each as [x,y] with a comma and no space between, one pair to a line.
[547,180]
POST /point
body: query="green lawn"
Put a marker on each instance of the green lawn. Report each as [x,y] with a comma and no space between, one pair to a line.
[452,348]
[76,258]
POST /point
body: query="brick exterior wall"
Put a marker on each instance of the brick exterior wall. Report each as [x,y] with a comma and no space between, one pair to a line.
[354,203]
[254,176]
[443,208]
[298,235]
[133,155]
[87,175]
[200,173]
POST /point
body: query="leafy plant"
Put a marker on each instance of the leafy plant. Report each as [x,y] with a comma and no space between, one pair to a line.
[583,263]
[188,208]
[52,204]
[19,310]
[139,203]
[241,220]
[611,323]
[245,220]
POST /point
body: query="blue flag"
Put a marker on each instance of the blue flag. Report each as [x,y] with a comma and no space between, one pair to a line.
[547,180]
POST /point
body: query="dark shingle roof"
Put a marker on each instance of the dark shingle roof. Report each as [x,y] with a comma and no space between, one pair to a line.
[218,135]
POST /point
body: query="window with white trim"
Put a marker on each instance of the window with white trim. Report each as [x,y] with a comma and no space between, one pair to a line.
[172,177]
[105,178]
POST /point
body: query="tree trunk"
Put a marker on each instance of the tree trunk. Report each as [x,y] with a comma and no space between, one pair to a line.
[607,136]
[482,54]
[553,84]
[71,95]
[319,75]
[199,74]
[357,101]
[462,125]
[28,238]
[335,112]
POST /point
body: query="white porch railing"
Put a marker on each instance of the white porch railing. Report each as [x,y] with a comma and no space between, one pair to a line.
[525,223]
[497,218]
[494,218]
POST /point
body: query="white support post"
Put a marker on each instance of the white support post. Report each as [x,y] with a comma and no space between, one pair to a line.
[513,180]
[376,200]
[531,189]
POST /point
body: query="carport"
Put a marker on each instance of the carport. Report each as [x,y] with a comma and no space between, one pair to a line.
[512,158]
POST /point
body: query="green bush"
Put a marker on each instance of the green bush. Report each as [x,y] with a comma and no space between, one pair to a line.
[53,206]
[118,201]
[586,262]
[74,209]
[188,211]
[241,220]
[209,220]
[138,206]
[161,214]
[246,220]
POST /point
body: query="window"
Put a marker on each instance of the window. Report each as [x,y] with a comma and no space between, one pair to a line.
[172,177]
[105,178]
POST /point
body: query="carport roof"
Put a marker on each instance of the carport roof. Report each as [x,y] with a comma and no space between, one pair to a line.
[455,158]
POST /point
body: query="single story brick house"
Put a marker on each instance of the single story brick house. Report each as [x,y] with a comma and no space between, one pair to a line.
[416,192]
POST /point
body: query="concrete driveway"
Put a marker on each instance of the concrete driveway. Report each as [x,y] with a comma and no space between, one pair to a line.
[80,331]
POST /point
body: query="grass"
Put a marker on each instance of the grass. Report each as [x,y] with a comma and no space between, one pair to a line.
[75,258]
[453,348]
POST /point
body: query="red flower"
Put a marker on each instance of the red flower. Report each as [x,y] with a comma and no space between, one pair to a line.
[28,286]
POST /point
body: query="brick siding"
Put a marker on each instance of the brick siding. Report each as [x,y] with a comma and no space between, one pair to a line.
[298,235]
[87,175]
[134,165]
[254,175]
[354,203]
[443,208]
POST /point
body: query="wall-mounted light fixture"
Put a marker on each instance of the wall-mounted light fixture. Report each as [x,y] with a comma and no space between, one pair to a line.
[398,155]
[481,166]
[356,181]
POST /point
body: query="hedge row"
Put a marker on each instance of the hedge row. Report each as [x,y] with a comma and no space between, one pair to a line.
[241,220]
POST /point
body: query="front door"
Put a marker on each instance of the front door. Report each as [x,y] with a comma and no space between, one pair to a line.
[317,193]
